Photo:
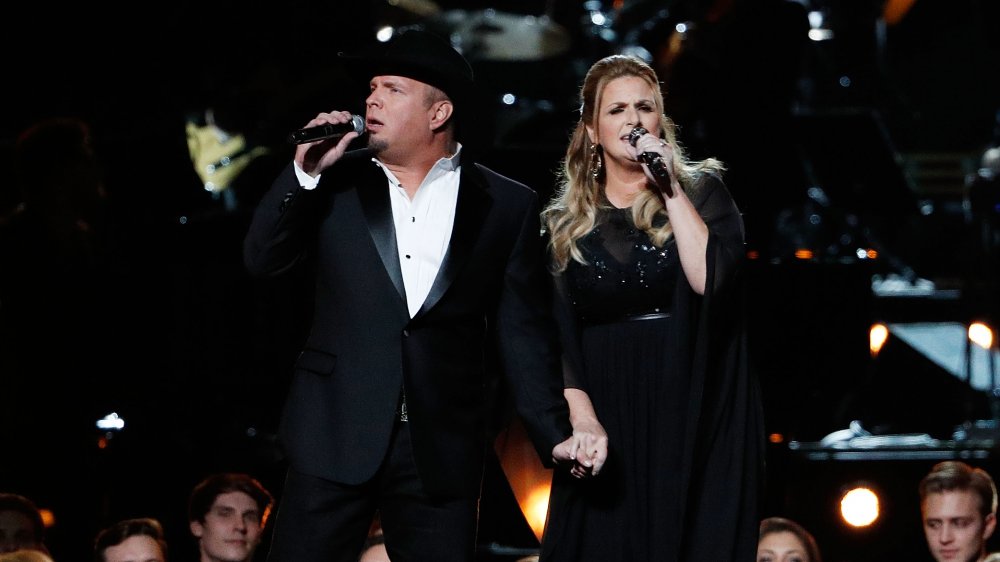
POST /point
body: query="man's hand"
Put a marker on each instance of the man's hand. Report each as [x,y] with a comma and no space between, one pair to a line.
[314,157]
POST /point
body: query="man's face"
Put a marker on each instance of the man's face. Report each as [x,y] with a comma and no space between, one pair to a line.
[398,114]
[231,530]
[955,530]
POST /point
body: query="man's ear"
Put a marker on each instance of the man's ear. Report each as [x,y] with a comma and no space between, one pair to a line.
[989,525]
[197,529]
[441,111]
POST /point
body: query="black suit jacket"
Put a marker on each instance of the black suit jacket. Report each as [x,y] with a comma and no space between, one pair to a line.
[363,347]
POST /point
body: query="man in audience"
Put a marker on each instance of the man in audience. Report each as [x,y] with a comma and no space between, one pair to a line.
[228,513]
[131,540]
[958,504]
[21,524]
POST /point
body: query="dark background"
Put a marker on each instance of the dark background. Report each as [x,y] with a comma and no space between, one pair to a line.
[861,141]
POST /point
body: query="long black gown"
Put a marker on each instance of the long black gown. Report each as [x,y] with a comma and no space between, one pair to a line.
[667,373]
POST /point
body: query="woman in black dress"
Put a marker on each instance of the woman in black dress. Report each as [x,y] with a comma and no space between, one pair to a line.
[646,253]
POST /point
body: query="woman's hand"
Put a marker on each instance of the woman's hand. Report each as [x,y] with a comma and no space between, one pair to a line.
[589,443]
[650,144]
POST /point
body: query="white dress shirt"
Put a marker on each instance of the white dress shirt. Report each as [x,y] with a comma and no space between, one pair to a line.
[423,224]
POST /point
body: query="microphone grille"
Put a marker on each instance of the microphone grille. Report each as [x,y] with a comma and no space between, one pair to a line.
[633,137]
[359,124]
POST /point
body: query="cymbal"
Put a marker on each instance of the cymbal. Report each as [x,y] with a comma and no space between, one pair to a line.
[491,35]
[423,8]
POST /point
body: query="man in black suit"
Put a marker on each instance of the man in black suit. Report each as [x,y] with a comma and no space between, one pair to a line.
[420,256]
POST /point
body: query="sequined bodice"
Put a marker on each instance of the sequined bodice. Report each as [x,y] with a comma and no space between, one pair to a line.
[625,274]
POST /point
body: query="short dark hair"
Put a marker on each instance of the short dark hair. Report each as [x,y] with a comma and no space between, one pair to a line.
[772,525]
[117,533]
[26,507]
[204,494]
[948,476]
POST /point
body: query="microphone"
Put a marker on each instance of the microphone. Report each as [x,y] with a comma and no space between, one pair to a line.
[653,160]
[328,131]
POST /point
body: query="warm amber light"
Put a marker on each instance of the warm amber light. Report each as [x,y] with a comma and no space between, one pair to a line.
[893,11]
[859,507]
[877,337]
[981,335]
[48,518]
[776,438]
[753,254]
[537,507]
[529,479]
[804,254]
[872,253]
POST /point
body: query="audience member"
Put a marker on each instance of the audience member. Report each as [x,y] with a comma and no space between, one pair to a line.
[228,513]
[131,540]
[25,555]
[784,540]
[21,524]
[958,504]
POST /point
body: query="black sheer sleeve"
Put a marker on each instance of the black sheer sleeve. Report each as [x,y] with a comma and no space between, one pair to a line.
[569,334]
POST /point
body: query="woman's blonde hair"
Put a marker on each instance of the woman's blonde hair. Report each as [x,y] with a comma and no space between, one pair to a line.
[572,212]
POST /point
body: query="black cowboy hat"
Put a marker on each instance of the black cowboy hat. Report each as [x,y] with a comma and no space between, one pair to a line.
[420,55]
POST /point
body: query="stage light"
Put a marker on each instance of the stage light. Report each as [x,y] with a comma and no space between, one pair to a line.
[111,422]
[529,480]
[859,506]
[818,31]
[804,254]
[981,335]
[877,336]
[536,507]
[48,518]
[385,33]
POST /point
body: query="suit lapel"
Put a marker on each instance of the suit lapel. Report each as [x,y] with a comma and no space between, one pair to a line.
[470,214]
[373,194]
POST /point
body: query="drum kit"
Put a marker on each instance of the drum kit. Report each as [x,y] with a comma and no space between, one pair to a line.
[487,34]
[531,63]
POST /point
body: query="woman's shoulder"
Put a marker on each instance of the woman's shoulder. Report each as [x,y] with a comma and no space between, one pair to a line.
[708,177]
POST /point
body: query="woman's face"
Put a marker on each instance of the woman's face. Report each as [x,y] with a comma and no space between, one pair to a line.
[626,103]
[781,546]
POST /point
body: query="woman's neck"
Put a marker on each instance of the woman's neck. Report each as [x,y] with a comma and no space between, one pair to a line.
[623,184]
[622,191]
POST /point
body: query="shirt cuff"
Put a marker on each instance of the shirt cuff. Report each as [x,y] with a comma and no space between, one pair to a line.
[305,180]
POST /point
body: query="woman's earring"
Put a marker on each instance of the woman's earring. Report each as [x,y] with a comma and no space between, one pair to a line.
[596,162]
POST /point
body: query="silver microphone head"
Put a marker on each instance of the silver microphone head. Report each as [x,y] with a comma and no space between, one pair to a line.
[359,124]
[633,137]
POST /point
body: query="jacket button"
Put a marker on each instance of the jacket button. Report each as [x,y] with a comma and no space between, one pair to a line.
[406,333]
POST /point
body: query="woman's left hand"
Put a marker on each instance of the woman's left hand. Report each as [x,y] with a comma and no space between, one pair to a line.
[665,151]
